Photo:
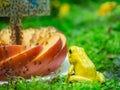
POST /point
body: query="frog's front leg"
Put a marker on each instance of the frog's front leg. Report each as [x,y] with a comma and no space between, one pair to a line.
[69,72]
[75,78]
[100,77]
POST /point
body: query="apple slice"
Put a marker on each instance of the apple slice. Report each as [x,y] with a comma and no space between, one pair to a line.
[51,47]
[11,65]
[58,59]
[7,51]
[56,63]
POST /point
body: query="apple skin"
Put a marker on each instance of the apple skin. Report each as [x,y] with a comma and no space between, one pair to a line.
[46,56]
[11,65]
[7,51]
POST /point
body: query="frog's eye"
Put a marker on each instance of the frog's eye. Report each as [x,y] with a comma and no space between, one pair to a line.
[70,51]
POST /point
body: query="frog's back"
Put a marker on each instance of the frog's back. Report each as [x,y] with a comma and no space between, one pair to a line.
[85,67]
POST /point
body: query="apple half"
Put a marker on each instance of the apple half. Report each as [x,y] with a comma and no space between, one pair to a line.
[42,52]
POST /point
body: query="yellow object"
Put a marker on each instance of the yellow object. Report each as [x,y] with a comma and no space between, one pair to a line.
[4,3]
[106,8]
[64,10]
[81,67]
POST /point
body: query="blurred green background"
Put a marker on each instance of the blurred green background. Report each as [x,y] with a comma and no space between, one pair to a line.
[83,26]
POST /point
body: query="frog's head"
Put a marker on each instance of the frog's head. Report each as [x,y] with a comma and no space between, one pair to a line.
[74,54]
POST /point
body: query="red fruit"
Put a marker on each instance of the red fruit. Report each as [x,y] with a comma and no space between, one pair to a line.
[11,65]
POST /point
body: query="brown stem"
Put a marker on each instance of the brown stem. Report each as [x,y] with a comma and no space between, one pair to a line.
[16,34]
[16,30]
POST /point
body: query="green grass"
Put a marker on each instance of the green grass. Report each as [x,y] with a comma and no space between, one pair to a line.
[99,36]
[58,84]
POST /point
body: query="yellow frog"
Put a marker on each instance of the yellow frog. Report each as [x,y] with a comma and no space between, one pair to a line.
[81,67]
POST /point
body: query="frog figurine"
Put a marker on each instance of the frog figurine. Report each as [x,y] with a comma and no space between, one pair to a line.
[81,67]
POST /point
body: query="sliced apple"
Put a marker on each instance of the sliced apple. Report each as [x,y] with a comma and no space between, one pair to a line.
[58,59]
[32,62]
[51,47]
[11,65]
[10,50]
